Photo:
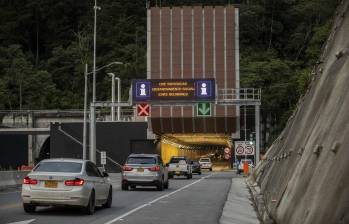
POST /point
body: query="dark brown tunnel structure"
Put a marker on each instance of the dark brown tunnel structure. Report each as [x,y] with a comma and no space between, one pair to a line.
[189,43]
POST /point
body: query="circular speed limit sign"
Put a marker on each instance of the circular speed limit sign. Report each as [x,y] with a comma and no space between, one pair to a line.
[240,150]
[227,150]
[249,150]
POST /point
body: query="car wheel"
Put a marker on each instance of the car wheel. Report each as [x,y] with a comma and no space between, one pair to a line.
[166,185]
[160,185]
[188,176]
[199,173]
[133,187]
[29,208]
[109,199]
[90,208]
[124,187]
[210,169]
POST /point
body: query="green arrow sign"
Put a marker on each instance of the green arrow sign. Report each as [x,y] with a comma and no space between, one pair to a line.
[203,109]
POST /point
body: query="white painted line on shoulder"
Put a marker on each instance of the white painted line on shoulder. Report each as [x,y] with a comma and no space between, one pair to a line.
[23,222]
[155,200]
[9,192]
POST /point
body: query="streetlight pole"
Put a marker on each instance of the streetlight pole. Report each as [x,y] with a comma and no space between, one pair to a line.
[94,51]
[92,113]
[113,95]
[84,143]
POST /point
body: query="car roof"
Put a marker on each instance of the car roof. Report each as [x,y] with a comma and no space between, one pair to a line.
[64,160]
[143,155]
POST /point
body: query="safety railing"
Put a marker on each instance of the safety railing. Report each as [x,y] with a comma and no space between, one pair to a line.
[243,94]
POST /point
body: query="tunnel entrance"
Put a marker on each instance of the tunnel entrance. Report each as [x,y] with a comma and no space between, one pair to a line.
[196,146]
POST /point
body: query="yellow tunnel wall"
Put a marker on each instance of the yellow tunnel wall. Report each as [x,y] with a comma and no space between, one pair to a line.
[167,151]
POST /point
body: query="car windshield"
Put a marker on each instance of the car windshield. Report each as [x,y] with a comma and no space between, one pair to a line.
[141,160]
[205,160]
[63,167]
[176,159]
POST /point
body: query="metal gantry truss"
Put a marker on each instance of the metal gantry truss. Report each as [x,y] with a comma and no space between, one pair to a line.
[230,97]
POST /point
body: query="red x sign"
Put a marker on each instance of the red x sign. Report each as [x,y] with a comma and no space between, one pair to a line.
[143,109]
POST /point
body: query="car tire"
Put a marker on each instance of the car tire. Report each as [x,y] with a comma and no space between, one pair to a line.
[199,173]
[210,169]
[170,176]
[29,208]
[188,176]
[166,185]
[160,185]
[109,201]
[90,208]
[133,187]
[124,187]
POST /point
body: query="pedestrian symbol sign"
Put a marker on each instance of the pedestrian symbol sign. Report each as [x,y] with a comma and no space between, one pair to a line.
[203,109]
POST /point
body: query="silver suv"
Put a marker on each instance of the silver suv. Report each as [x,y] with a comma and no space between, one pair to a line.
[144,170]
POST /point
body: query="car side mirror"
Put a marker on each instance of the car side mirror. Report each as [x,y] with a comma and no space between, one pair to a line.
[105,174]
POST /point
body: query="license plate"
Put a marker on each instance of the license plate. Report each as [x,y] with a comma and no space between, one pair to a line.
[51,183]
[177,173]
[140,170]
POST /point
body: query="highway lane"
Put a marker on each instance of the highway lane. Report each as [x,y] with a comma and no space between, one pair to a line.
[199,200]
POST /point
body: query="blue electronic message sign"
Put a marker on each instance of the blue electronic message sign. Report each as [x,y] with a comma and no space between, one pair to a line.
[172,90]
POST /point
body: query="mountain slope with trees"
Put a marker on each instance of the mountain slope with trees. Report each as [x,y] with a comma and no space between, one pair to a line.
[44,45]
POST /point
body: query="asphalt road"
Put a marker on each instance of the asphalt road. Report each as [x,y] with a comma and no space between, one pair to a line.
[199,200]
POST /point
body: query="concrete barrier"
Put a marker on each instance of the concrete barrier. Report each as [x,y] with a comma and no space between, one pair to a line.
[10,179]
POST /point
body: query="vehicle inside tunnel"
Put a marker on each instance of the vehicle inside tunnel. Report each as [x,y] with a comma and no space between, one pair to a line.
[196,146]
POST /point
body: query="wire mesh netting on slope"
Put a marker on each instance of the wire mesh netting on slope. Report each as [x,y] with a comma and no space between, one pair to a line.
[305,176]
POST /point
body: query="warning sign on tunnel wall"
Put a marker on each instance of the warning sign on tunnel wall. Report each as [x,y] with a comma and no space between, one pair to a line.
[244,148]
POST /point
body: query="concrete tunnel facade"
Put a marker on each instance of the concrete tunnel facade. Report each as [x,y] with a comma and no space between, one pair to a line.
[192,43]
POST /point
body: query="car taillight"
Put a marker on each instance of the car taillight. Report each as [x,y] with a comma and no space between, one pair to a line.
[28,180]
[75,182]
[154,168]
[127,168]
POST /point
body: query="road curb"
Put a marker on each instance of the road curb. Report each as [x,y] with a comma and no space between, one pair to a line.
[239,209]
[258,201]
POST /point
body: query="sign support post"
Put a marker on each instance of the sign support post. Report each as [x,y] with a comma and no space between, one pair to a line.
[257,120]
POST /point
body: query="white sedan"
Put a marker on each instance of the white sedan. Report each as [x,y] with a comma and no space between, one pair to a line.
[71,182]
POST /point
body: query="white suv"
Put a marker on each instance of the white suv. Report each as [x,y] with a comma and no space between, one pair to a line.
[205,163]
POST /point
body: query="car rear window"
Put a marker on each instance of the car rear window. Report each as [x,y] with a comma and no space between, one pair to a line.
[205,160]
[64,167]
[141,160]
[176,159]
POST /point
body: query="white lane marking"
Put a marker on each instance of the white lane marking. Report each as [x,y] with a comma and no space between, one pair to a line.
[9,192]
[121,217]
[23,222]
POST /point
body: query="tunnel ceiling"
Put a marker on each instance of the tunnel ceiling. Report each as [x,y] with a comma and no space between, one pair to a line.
[199,139]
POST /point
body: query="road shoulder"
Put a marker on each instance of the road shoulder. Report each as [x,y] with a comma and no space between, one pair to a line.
[238,208]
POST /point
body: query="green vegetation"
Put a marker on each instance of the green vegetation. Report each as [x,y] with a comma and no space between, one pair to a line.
[45,43]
